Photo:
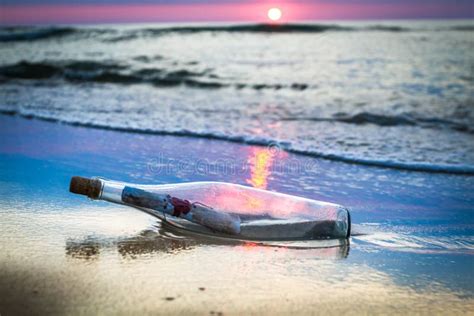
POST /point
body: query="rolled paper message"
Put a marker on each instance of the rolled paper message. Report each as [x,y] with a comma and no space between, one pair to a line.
[194,212]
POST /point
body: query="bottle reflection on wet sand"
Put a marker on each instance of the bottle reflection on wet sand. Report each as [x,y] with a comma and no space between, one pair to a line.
[169,240]
[88,249]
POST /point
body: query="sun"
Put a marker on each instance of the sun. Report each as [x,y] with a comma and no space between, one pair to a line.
[274,14]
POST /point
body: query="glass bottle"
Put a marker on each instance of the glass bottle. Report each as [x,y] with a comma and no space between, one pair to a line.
[225,209]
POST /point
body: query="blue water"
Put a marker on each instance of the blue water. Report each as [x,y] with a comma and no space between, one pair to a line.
[394,94]
[415,227]
[400,210]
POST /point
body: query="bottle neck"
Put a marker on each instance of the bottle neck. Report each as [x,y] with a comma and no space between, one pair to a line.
[111,191]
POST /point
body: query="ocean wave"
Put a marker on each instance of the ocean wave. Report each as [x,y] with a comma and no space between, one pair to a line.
[244,28]
[104,72]
[467,28]
[117,73]
[388,120]
[420,244]
[260,141]
[8,34]
[12,34]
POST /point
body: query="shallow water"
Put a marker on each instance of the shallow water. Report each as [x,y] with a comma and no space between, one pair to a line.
[60,253]
[393,94]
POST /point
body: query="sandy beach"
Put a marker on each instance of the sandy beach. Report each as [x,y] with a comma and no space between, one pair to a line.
[61,254]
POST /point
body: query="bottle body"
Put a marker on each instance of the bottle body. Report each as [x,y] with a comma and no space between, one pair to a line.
[262,215]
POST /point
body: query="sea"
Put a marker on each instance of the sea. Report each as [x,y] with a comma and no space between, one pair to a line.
[395,94]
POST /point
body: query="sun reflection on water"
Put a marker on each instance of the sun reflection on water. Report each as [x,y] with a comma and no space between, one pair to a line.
[261,160]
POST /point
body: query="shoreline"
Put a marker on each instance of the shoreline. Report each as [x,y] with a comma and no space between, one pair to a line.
[413,167]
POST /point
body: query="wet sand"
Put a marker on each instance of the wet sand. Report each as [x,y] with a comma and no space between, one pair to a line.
[62,254]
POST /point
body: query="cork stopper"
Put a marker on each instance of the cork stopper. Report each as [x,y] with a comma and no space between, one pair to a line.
[85,186]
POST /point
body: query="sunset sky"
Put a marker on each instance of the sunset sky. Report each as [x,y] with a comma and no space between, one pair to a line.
[110,11]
